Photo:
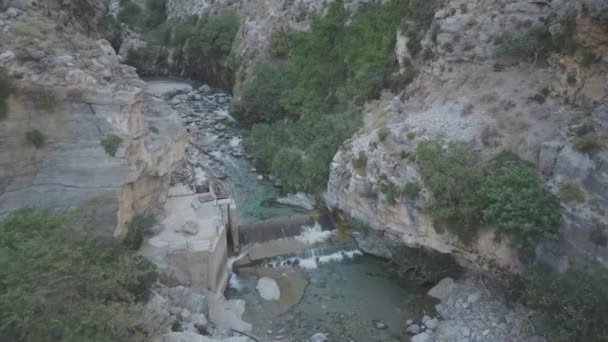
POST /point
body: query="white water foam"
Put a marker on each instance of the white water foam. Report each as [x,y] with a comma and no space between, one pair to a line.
[311,235]
[235,142]
[313,262]
[234,281]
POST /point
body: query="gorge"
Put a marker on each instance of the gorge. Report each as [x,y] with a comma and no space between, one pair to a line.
[442,140]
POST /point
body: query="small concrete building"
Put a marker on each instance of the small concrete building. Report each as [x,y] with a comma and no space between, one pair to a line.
[191,247]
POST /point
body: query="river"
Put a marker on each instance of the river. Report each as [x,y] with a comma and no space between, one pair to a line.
[347,297]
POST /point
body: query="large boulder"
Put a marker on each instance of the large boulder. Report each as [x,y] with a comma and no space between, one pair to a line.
[443,289]
[268,289]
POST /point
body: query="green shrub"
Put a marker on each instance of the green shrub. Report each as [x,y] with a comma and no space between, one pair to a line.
[60,283]
[516,202]
[411,135]
[453,174]
[564,41]
[288,165]
[262,141]
[211,43]
[35,138]
[383,133]
[42,98]
[148,59]
[537,41]
[111,143]
[157,13]
[570,192]
[598,237]
[279,44]
[412,190]
[361,161]
[130,14]
[261,95]
[327,73]
[528,44]
[588,143]
[135,233]
[136,17]
[6,88]
[570,306]
[183,31]
[586,58]
[506,193]
[390,190]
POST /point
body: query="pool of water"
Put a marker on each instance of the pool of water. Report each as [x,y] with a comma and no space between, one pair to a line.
[341,299]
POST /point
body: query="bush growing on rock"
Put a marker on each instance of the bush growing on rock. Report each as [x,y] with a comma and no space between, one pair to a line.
[261,95]
[288,165]
[60,283]
[135,232]
[454,176]
[569,191]
[136,17]
[111,144]
[361,161]
[538,41]
[570,306]
[411,190]
[383,133]
[42,98]
[588,143]
[210,44]
[506,193]
[279,44]
[598,236]
[35,138]
[514,200]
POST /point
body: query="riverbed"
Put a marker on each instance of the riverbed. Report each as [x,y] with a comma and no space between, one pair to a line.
[346,296]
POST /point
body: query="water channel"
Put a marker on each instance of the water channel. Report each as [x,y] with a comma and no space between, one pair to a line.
[346,296]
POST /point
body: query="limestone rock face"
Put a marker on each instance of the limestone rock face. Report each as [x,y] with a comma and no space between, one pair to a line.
[468,92]
[75,92]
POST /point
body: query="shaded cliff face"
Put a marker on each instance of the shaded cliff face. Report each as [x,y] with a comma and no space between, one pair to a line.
[80,132]
[549,110]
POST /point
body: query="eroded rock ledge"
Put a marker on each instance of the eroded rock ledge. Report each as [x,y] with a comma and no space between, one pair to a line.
[73,91]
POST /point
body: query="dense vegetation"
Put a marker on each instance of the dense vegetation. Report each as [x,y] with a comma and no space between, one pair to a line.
[306,100]
[202,44]
[506,193]
[570,306]
[538,41]
[59,283]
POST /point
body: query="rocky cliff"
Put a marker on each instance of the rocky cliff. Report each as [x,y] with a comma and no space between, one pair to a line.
[467,90]
[79,131]
[529,77]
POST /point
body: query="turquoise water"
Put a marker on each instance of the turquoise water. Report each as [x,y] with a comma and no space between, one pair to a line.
[254,199]
[342,300]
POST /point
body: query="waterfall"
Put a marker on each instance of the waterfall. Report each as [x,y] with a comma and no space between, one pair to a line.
[234,281]
[312,258]
[314,234]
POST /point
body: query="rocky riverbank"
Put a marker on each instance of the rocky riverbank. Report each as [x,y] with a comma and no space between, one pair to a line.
[470,311]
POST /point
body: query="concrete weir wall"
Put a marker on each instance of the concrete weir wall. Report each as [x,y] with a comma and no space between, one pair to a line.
[281,227]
